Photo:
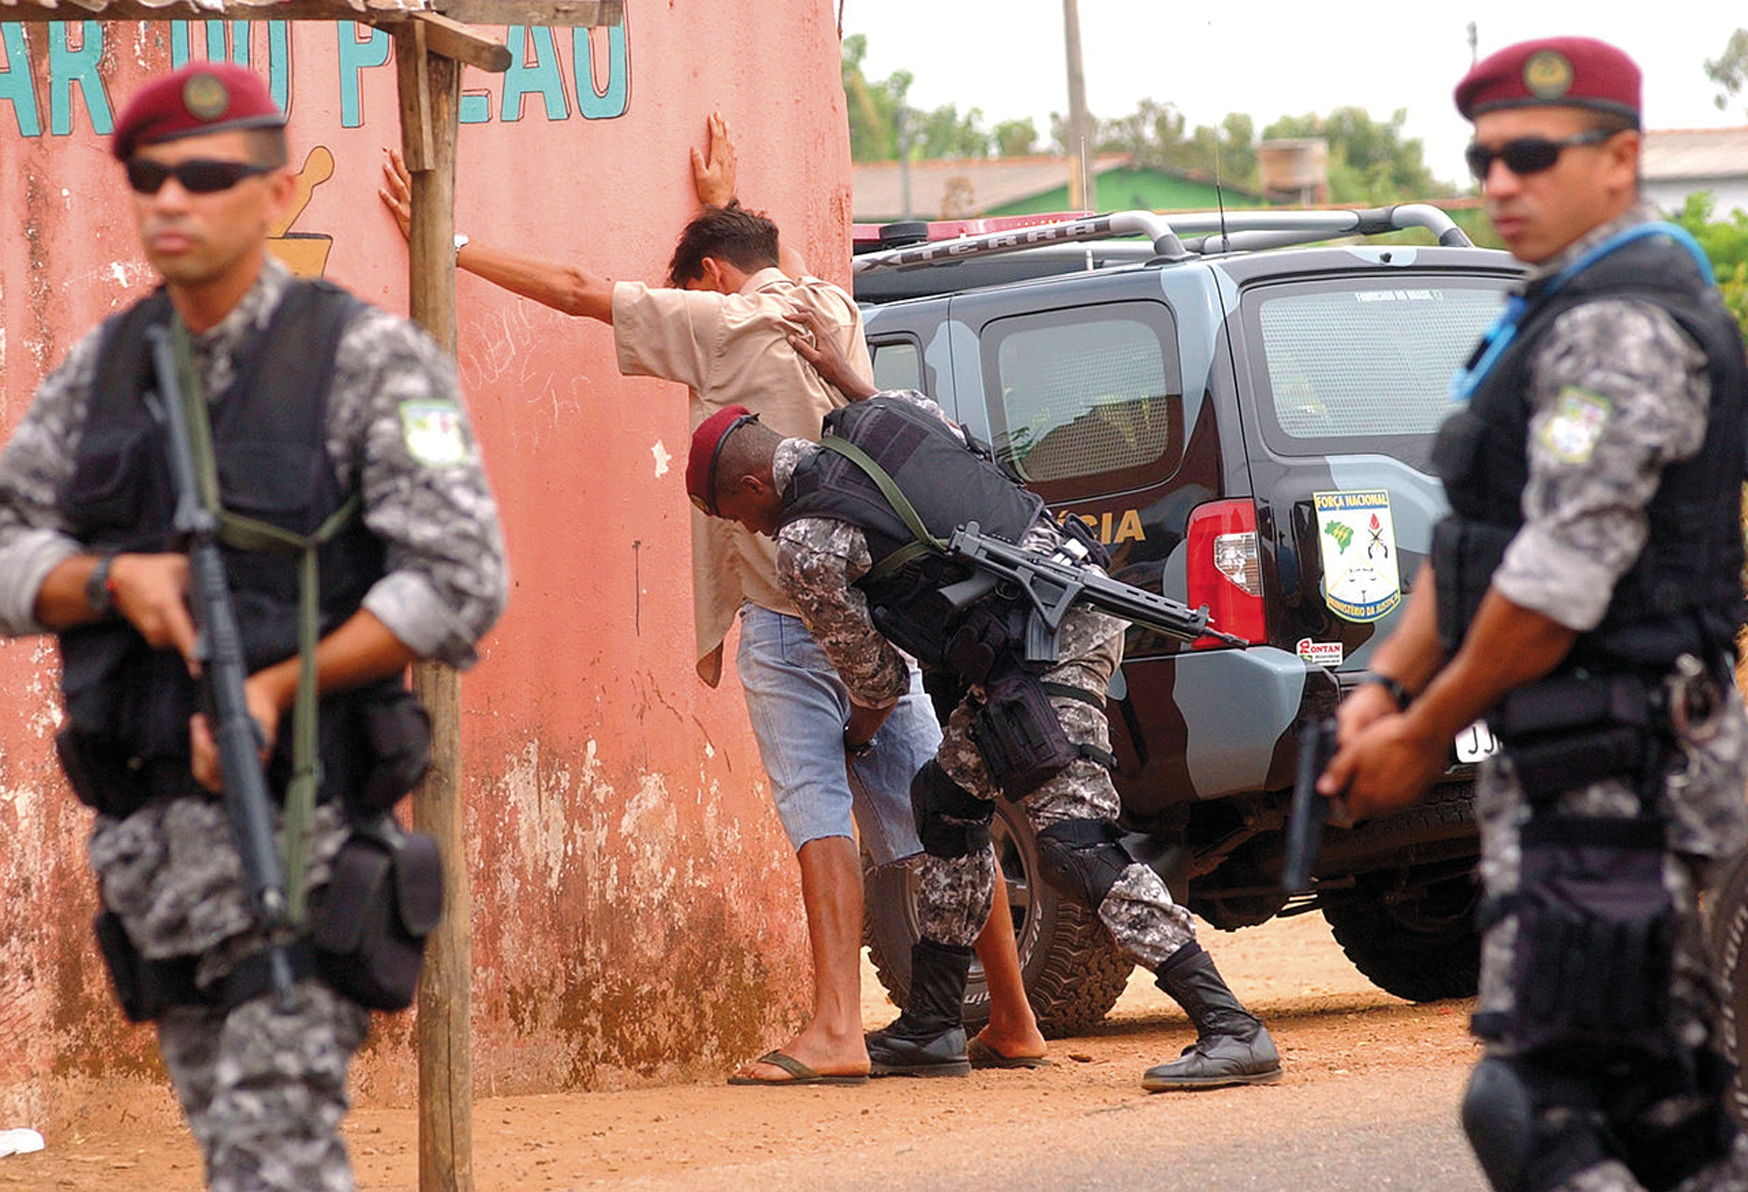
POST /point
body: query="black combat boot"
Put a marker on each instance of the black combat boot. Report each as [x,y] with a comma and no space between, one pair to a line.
[1231,1047]
[928,1039]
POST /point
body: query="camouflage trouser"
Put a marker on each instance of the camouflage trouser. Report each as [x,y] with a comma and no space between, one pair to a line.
[1694,994]
[954,895]
[264,1091]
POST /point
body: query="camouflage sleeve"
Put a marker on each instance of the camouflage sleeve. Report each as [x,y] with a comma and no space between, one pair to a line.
[818,561]
[1619,392]
[397,426]
[34,469]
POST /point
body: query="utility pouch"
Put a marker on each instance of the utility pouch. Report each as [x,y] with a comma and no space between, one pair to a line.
[145,988]
[370,922]
[398,733]
[98,774]
[1596,934]
[1565,733]
[1019,734]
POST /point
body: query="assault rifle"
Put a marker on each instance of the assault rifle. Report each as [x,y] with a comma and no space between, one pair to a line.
[219,647]
[1310,809]
[1052,586]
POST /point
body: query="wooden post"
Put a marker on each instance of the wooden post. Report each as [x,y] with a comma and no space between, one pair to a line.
[430,94]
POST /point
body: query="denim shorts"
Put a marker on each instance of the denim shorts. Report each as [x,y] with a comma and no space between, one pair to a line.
[799,707]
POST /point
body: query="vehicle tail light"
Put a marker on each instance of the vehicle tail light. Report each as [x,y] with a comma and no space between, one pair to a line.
[1224,570]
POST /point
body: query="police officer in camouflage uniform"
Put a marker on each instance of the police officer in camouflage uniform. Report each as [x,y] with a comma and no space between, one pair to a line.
[314,397]
[841,545]
[1583,595]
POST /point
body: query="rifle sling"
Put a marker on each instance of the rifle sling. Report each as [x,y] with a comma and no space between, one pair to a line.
[925,542]
[251,534]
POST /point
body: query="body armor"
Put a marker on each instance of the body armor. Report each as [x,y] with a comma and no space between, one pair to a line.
[1684,593]
[269,440]
[946,482]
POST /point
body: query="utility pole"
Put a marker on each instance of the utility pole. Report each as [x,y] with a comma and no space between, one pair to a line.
[1474,41]
[901,118]
[1082,188]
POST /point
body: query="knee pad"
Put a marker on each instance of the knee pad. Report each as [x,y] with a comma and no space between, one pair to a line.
[1500,1119]
[951,821]
[1083,859]
[1502,1115]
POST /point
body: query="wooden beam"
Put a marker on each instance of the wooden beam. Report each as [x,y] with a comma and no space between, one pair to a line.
[413,76]
[445,993]
[454,40]
[534,12]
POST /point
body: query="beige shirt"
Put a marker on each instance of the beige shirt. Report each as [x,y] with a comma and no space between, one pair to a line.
[733,349]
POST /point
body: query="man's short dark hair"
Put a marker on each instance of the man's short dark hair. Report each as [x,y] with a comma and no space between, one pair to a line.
[744,238]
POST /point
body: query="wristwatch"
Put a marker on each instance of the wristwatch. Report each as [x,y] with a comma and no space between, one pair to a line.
[98,594]
[1399,693]
[460,242]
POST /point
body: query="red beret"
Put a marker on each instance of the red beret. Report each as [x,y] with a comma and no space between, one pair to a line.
[202,97]
[1575,72]
[707,443]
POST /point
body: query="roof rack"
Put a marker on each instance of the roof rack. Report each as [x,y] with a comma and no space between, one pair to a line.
[1229,231]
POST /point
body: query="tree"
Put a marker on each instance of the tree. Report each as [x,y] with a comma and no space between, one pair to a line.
[883,124]
[1370,161]
[1726,244]
[1153,136]
[874,108]
[1730,69]
[1016,138]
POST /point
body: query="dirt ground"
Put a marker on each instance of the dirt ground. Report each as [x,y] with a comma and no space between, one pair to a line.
[1326,1018]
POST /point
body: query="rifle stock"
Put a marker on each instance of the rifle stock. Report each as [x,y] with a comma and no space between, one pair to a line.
[247,801]
[1052,587]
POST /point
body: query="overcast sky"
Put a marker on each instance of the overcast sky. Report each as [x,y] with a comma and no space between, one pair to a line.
[1271,59]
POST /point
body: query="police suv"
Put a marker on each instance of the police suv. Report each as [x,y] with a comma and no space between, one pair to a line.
[1244,413]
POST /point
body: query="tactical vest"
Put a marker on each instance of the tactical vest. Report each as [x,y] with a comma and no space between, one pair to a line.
[1684,592]
[269,439]
[946,482]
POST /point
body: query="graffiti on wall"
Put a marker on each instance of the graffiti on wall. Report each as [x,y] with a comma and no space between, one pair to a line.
[555,74]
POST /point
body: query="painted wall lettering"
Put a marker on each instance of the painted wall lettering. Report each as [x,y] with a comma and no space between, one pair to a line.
[595,84]
[71,68]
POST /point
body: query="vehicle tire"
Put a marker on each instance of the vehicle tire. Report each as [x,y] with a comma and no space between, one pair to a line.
[1073,970]
[1419,944]
[1727,926]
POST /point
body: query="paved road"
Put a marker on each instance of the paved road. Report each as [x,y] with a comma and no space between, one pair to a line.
[1360,1132]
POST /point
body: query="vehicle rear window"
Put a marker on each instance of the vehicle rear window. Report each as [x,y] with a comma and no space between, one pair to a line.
[1087,392]
[898,364]
[1352,365]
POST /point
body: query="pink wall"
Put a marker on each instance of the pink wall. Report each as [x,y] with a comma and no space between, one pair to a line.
[635,911]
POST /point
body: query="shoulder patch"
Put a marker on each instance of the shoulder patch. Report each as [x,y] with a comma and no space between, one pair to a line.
[432,430]
[1572,432]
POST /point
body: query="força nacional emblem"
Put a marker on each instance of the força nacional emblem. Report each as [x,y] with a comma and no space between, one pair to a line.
[1356,538]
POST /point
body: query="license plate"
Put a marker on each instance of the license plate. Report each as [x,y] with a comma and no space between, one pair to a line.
[1476,742]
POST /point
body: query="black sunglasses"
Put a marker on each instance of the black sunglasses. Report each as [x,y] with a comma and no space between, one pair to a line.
[199,176]
[1528,155]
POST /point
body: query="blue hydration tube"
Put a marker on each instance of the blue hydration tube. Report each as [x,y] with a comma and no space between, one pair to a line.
[1500,336]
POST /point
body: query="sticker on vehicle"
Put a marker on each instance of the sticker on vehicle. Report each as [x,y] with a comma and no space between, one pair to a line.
[1356,537]
[1322,653]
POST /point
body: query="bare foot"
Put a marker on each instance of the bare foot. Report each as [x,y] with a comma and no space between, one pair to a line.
[829,1053]
[1014,1043]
